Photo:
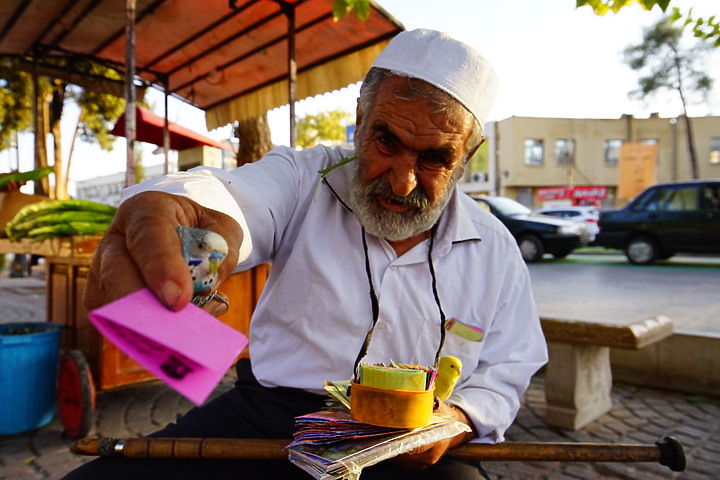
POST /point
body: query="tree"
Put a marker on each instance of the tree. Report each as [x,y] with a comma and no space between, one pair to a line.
[97,110]
[706,29]
[665,65]
[16,102]
[254,139]
[478,162]
[323,128]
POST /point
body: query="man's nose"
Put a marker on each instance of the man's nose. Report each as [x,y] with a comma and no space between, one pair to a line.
[402,178]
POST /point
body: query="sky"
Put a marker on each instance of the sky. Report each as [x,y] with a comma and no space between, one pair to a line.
[552,59]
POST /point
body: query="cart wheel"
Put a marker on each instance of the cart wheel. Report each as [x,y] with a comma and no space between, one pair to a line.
[76,394]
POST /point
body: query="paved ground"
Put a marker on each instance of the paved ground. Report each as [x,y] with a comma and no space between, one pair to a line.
[639,416]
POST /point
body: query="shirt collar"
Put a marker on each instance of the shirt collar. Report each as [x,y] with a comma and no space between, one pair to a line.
[455,226]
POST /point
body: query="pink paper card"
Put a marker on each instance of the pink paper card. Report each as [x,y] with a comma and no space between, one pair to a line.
[190,350]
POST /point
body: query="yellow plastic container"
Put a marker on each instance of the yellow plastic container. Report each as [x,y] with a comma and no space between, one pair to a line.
[391,408]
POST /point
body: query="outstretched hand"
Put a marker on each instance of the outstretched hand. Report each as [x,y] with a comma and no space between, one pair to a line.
[141,249]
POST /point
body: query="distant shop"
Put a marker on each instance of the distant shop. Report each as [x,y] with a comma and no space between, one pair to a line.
[571,196]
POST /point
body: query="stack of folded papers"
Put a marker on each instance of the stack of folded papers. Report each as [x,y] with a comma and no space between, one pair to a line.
[329,444]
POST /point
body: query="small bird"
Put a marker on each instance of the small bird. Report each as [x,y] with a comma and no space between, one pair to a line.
[203,251]
[449,370]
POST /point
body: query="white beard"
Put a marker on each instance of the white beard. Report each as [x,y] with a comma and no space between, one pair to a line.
[394,226]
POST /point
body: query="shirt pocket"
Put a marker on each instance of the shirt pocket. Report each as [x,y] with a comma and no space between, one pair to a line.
[465,341]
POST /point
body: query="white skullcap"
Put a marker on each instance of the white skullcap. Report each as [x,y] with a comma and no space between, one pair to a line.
[447,63]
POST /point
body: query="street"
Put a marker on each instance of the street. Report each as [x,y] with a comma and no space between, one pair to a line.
[592,286]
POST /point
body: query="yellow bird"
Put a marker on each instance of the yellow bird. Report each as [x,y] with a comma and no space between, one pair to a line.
[449,370]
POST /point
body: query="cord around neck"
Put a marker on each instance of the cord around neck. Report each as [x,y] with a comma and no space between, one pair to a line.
[376,305]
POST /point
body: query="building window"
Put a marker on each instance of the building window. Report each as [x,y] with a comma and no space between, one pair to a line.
[612,152]
[533,152]
[715,151]
[565,151]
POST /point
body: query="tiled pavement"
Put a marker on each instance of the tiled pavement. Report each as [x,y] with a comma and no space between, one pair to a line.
[639,416]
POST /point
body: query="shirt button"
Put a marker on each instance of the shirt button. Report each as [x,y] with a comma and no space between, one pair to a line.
[393,267]
[381,326]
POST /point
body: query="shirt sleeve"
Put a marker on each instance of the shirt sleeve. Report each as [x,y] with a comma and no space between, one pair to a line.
[515,349]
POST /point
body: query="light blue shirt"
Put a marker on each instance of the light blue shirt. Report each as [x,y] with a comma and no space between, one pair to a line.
[315,309]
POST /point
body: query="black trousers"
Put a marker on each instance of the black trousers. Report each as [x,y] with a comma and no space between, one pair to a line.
[250,411]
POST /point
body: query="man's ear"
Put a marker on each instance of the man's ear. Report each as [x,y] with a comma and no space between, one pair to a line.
[358,119]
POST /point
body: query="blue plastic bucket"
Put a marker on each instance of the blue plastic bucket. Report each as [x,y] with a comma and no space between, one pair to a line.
[28,370]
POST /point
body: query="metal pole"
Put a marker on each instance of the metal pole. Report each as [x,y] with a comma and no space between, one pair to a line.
[289,11]
[37,186]
[166,129]
[130,112]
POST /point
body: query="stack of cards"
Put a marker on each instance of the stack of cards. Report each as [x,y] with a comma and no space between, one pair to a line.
[329,445]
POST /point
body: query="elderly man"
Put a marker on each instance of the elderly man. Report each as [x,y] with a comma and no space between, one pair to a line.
[383,258]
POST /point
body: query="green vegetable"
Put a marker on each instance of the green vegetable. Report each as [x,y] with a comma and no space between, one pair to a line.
[54,217]
[66,230]
[28,176]
[51,218]
[48,205]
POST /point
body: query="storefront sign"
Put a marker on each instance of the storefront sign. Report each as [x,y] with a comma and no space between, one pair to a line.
[577,195]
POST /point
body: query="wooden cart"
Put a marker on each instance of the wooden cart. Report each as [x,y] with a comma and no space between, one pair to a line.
[89,363]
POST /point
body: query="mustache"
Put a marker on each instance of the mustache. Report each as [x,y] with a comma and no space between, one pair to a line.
[416,199]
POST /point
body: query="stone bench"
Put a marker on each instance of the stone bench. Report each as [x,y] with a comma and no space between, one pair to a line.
[578,378]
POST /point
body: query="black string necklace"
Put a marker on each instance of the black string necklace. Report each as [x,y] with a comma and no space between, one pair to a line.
[376,305]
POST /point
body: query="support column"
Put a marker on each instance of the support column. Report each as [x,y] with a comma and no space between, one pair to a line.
[578,384]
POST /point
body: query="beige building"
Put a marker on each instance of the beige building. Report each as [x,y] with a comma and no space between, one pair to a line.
[528,155]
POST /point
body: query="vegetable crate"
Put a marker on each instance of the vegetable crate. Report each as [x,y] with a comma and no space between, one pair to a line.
[89,363]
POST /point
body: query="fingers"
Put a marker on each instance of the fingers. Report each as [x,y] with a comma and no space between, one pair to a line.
[149,226]
[421,457]
[219,304]
[142,249]
[110,264]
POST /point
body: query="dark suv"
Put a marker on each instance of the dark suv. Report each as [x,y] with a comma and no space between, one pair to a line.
[665,219]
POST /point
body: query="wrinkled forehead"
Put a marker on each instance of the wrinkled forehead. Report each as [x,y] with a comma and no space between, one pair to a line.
[443,106]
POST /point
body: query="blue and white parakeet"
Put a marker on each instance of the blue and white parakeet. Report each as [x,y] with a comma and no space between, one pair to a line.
[203,251]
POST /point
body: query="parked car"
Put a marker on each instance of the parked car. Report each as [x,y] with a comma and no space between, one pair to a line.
[585,214]
[665,219]
[536,234]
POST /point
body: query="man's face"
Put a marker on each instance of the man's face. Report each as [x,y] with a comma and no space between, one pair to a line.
[410,160]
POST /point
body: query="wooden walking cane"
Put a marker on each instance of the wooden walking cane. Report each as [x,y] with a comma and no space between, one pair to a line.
[668,452]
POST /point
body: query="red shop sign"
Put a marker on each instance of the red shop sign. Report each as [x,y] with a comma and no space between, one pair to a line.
[589,193]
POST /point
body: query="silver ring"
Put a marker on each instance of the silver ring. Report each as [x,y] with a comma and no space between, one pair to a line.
[216,296]
[202,300]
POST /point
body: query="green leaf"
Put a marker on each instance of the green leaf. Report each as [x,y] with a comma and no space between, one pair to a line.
[343,7]
[663,4]
[361,8]
[340,9]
